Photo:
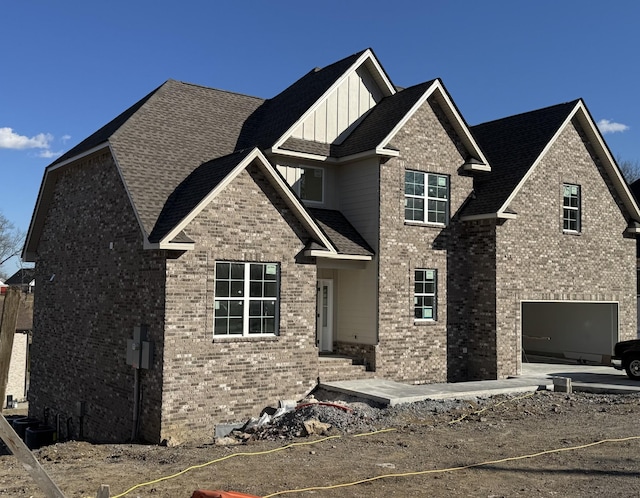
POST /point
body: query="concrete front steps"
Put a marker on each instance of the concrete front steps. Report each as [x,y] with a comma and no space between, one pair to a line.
[332,368]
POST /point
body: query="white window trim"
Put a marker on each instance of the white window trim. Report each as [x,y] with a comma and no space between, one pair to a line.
[570,208]
[426,199]
[247,299]
[434,294]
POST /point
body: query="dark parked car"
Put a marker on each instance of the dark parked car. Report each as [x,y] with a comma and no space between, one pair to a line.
[626,355]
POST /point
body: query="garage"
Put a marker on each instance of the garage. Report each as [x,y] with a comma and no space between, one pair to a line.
[575,330]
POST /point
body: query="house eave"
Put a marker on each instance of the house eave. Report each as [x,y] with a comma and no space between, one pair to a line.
[476,167]
[169,246]
[378,152]
[490,216]
[317,253]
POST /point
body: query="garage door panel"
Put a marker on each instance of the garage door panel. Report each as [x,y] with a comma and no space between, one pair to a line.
[569,329]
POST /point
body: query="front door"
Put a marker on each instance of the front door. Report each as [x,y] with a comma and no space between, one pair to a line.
[324,322]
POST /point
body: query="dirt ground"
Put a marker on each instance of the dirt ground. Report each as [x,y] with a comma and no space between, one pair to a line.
[489,447]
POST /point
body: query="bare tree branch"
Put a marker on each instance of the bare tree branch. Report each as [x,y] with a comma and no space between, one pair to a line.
[629,169]
[11,240]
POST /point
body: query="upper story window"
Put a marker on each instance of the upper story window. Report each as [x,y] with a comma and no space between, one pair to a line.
[426,197]
[246,299]
[571,208]
[424,297]
[311,184]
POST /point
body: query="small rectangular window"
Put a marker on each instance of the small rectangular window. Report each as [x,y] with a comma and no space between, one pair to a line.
[311,184]
[571,205]
[425,294]
[246,298]
[426,197]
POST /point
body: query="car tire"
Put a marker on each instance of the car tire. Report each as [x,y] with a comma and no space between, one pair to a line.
[632,367]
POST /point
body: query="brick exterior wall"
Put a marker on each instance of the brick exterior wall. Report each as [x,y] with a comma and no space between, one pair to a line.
[535,260]
[408,350]
[209,381]
[84,315]
[472,303]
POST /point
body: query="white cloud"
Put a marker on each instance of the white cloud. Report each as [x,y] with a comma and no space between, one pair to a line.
[65,138]
[48,154]
[11,140]
[607,126]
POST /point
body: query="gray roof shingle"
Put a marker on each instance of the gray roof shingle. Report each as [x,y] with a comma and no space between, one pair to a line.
[342,234]
[511,146]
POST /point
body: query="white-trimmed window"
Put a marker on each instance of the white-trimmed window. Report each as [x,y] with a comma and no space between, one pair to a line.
[426,197]
[425,294]
[311,184]
[571,208]
[246,299]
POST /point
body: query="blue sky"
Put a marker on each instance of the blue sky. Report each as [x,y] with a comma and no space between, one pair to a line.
[70,66]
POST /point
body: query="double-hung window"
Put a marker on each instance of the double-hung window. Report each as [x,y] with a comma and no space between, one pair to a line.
[426,197]
[246,299]
[425,294]
[571,208]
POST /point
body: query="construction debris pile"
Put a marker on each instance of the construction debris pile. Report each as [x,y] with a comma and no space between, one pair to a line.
[306,418]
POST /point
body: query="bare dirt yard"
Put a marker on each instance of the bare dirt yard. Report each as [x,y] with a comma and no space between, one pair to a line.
[545,444]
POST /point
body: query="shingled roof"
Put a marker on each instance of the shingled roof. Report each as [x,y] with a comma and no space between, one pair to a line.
[279,113]
[342,234]
[512,145]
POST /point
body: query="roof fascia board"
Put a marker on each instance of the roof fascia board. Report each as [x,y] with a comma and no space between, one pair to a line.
[532,168]
[462,127]
[490,216]
[333,160]
[300,155]
[328,255]
[610,164]
[275,179]
[79,156]
[451,111]
[172,246]
[407,116]
[366,55]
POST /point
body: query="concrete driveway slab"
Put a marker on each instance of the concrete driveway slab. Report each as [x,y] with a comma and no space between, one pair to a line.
[534,377]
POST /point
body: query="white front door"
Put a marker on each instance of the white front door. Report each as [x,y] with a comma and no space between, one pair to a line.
[325,315]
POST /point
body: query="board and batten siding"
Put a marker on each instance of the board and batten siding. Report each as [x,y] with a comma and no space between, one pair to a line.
[344,106]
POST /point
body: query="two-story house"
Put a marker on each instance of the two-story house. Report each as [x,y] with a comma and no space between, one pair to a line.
[343,216]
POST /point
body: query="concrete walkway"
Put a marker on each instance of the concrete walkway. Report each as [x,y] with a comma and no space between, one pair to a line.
[534,377]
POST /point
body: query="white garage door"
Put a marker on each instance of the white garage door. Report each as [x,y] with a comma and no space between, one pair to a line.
[569,329]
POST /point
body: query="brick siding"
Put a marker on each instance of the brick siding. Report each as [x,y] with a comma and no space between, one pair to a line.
[228,380]
[408,350]
[88,299]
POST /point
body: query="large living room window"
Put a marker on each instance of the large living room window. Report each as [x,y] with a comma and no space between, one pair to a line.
[246,299]
[426,197]
[571,208]
[425,294]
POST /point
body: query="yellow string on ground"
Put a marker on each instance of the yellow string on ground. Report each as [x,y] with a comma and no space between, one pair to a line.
[528,395]
[306,443]
[232,455]
[452,469]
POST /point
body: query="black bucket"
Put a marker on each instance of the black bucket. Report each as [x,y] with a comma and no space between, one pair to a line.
[36,437]
[20,425]
[11,418]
